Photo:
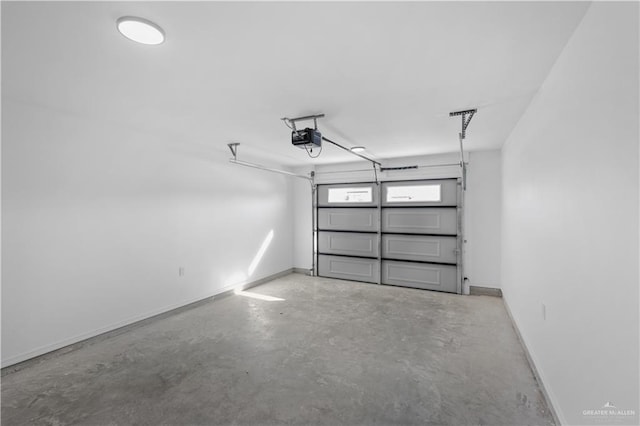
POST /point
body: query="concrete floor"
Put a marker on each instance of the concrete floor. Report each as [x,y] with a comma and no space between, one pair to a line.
[333,352]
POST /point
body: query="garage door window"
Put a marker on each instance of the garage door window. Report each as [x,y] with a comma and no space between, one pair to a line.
[413,194]
[351,195]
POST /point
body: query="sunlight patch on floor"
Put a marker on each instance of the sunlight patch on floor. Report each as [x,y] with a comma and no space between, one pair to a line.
[259,296]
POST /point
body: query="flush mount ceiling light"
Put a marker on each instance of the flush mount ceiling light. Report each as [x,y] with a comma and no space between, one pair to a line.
[140,30]
[357,149]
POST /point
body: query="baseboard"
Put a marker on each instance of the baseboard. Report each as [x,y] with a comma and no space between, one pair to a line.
[475,290]
[247,285]
[546,393]
[302,271]
[71,344]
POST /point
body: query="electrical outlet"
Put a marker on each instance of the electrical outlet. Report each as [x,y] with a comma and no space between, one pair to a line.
[181,271]
[544,312]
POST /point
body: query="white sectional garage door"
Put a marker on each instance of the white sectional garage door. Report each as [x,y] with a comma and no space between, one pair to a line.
[397,233]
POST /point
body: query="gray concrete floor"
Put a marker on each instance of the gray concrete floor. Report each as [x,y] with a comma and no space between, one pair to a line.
[333,352]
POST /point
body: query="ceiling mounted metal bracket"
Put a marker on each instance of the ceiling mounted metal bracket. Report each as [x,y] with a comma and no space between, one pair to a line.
[461,136]
[291,122]
[465,120]
[234,149]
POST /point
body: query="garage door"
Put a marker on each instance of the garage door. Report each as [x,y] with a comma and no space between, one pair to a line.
[348,238]
[396,233]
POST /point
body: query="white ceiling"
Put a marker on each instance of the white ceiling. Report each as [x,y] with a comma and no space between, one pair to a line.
[385,74]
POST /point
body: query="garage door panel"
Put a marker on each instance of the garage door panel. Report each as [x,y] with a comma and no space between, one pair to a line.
[348,243]
[349,268]
[347,219]
[422,220]
[442,192]
[420,275]
[348,195]
[420,248]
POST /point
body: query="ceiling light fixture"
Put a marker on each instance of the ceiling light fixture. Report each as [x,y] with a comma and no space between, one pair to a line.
[357,149]
[140,30]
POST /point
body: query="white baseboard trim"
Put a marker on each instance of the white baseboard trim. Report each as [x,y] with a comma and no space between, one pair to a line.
[475,290]
[229,290]
[302,271]
[48,351]
[546,391]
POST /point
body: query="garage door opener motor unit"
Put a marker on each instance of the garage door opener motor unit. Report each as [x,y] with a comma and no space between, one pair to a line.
[307,138]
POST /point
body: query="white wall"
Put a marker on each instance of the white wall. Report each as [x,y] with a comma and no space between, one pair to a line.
[482,219]
[302,222]
[98,218]
[570,220]
[482,205]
